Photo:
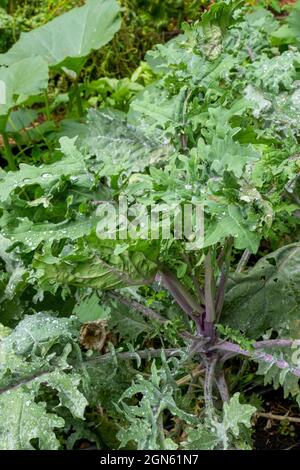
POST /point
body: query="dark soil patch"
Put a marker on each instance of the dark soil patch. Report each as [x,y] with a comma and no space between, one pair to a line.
[272,434]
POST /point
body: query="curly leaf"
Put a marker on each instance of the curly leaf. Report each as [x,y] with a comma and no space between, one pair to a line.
[232,224]
[99,269]
[23,420]
[236,414]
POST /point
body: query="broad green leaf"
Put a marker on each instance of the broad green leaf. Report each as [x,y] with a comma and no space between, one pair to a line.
[285,34]
[31,234]
[38,333]
[20,119]
[33,356]
[66,41]
[28,76]
[267,296]
[294,21]
[120,147]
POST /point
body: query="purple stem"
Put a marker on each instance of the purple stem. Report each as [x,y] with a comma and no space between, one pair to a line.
[272,343]
[256,355]
[208,382]
[221,291]
[184,299]
[209,319]
[209,287]
[224,277]
[222,386]
[243,261]
[148,312]
[198,290]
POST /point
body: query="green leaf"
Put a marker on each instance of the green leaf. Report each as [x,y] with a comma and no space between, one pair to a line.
[284,378]
[157,396]
[39,332]
[129,323]
[44,175]
[97,270]
[4,331]
[120,147]
[276,73]
[236,414]
[89,309]
[34,357]
[20,119]
[28,76]
[225,154]
[24,420]
[294,21]
[285,34]
[200,438]
[221,13]
[109,379]
[221,433]
[66,41]
[267,296]
[156,108]
[32,234]
[67,387]
[232,224]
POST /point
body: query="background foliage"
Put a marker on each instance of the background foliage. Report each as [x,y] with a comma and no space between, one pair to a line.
[145,344]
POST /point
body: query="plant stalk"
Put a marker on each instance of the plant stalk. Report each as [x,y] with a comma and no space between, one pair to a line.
[256,355]
[223,279]
[8,153]
[184,299]
[243,261]
[161,434]
[208,384]
[209,293]
[209,289]
[144,354]
[222,386]
[146,311]
[47,104]
[78,99]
